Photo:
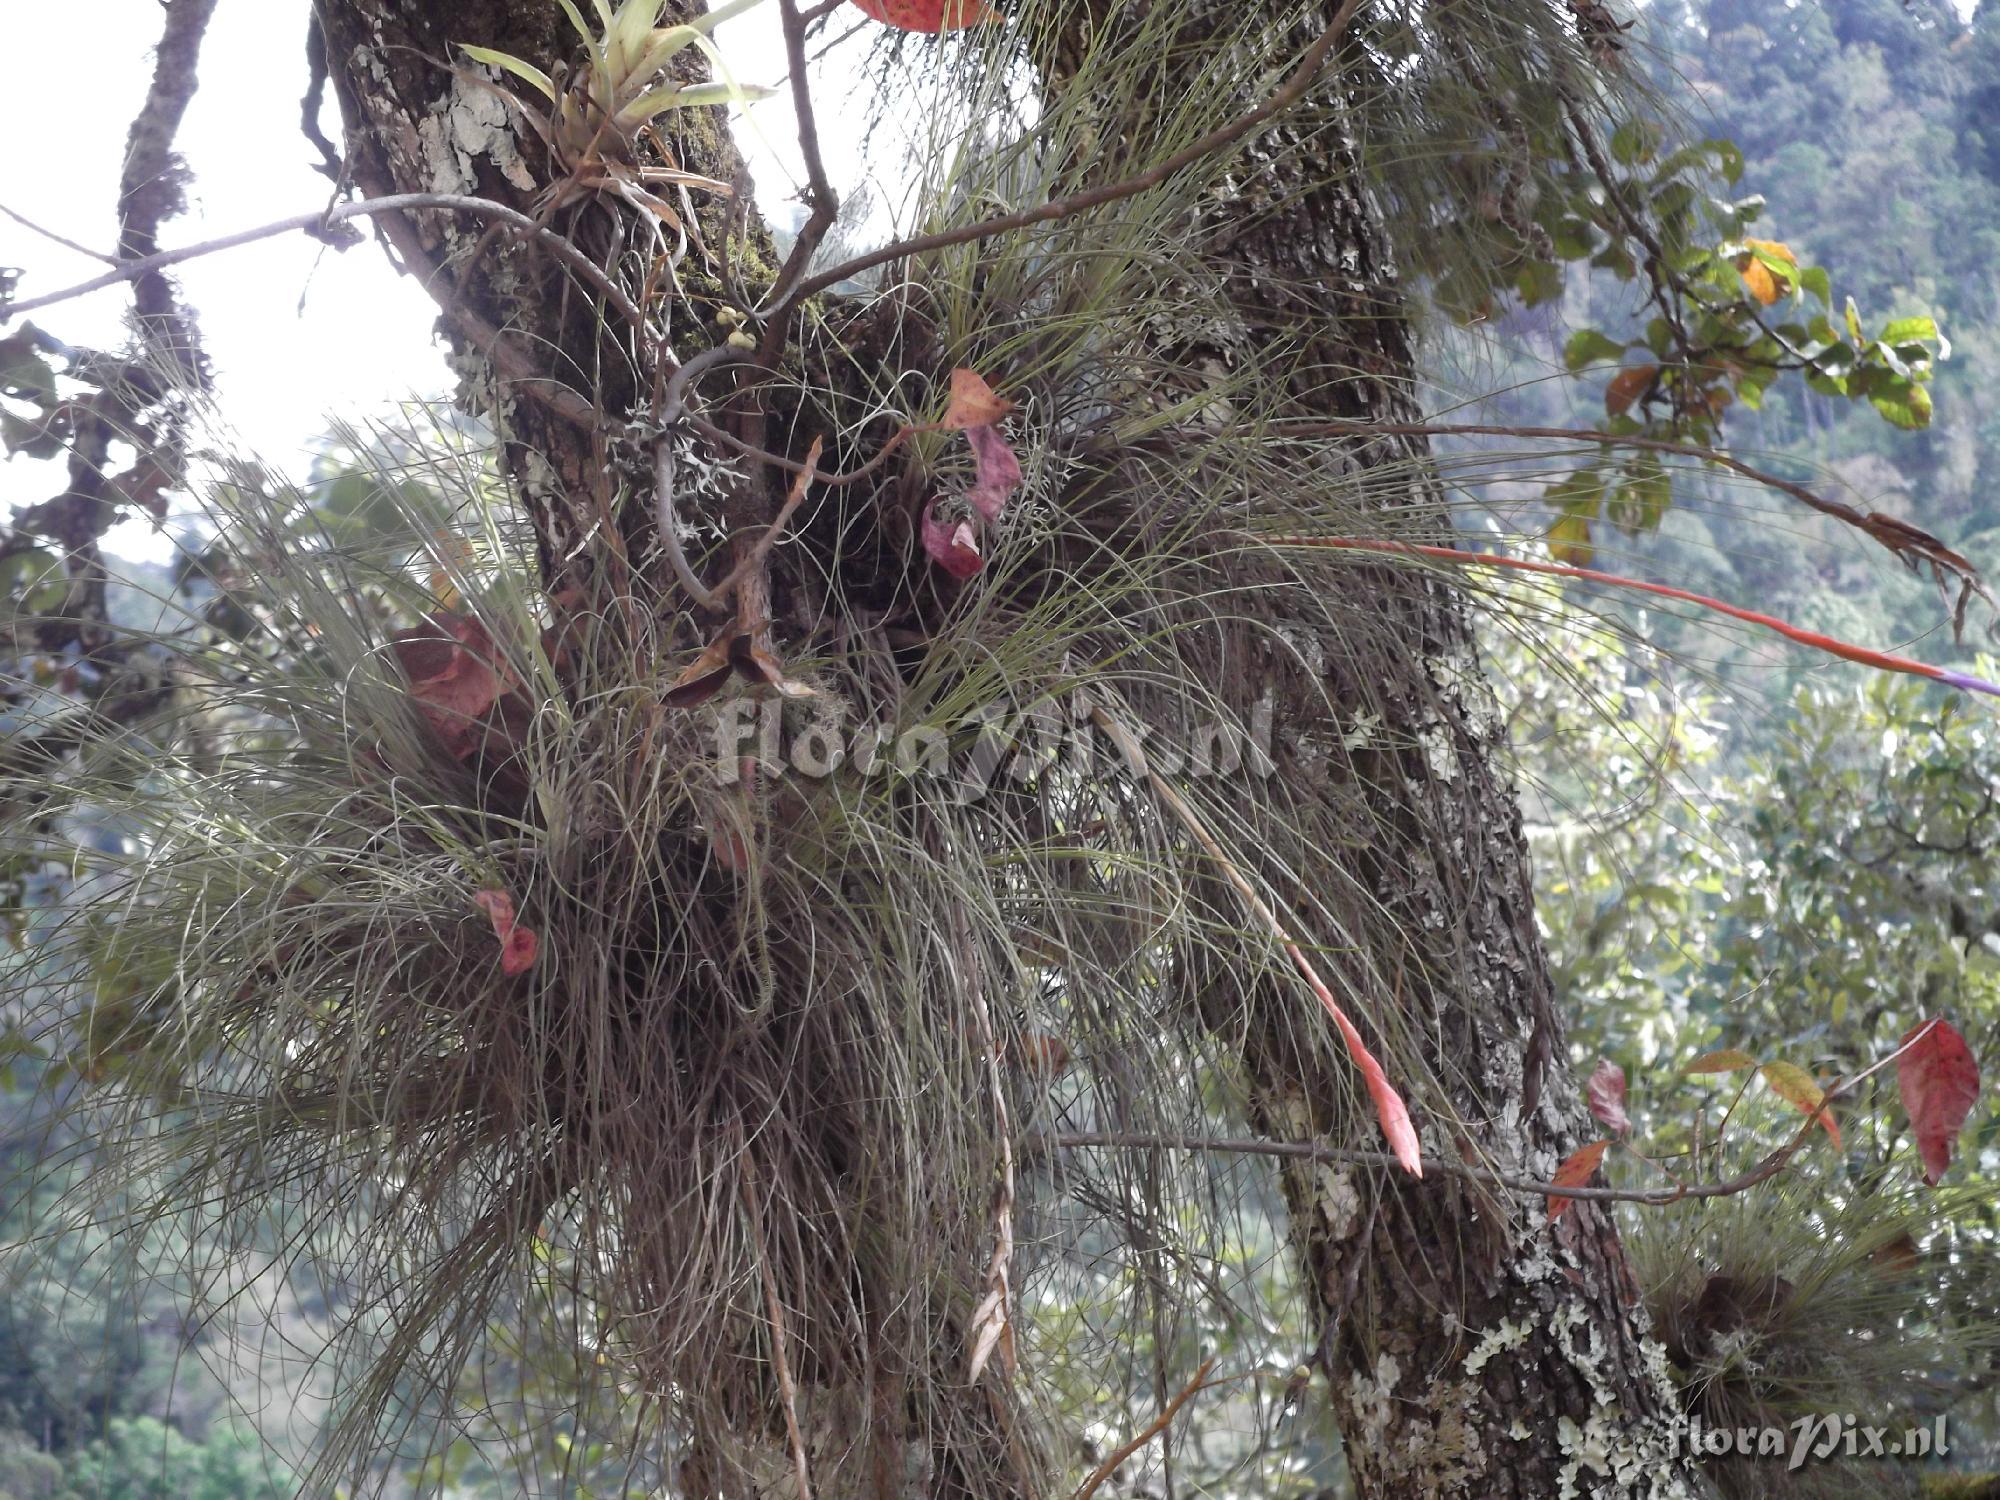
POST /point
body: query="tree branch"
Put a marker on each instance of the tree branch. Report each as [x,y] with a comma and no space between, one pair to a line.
[1908,543]
[1766,1169]
[1075,203]
[1153,1429]
[820,196]
[547,238]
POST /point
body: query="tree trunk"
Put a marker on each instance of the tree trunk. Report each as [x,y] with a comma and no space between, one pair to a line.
[1473,1349]
[576,404]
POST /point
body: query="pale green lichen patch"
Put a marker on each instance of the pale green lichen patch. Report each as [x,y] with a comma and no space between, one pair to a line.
[466,123]
[1373,1397]
[1508,1335]
[1460,678]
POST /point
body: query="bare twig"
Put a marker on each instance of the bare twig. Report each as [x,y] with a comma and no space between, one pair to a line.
[49,234]
[820,196]
[755,557]
[1216,140]
[1153,1429]
[667,523]
[548,239]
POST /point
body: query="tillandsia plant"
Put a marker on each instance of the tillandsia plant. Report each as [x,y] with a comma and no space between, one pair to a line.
[597,115]
[765,848]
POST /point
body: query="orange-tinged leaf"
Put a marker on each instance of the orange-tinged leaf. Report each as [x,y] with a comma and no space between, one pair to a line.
[1569,540]
[1758,278]
[1939,1081]
[1795,1086]
[973,402]
[1728,1060]
[456,675]
[1776,248]
[1626,387]
[1576,1170]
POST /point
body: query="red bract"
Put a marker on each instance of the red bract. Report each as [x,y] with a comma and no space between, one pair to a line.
[928,15]
[1606,1096]
[1939,1081]
[974,410]
[997,472]
[953,548]
[1390,1112]
[518,943]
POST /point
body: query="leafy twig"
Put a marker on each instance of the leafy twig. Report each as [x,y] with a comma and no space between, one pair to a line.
[1899,537]
[1766,1169]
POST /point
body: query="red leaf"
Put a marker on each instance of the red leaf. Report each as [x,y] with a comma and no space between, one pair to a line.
[1606,1094]
[518,943]
[972,403]
[928,15]
[455,674]
[953,548]
[1939,1081]
[1575,1171]
[997,471]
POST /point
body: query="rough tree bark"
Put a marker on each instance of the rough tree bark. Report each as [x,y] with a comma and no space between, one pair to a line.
[1472,1350]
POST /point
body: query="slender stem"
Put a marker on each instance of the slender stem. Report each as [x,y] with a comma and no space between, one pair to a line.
[1898,536]
[1881,661]
[667,523]
[755,558]
[554,243]
[1389,1107]
[780,1364]
[1766,1169]
[1153,1429]
[1075,203]
[824,202]
[49,234]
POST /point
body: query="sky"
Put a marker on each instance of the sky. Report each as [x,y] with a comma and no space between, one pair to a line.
[296,331]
